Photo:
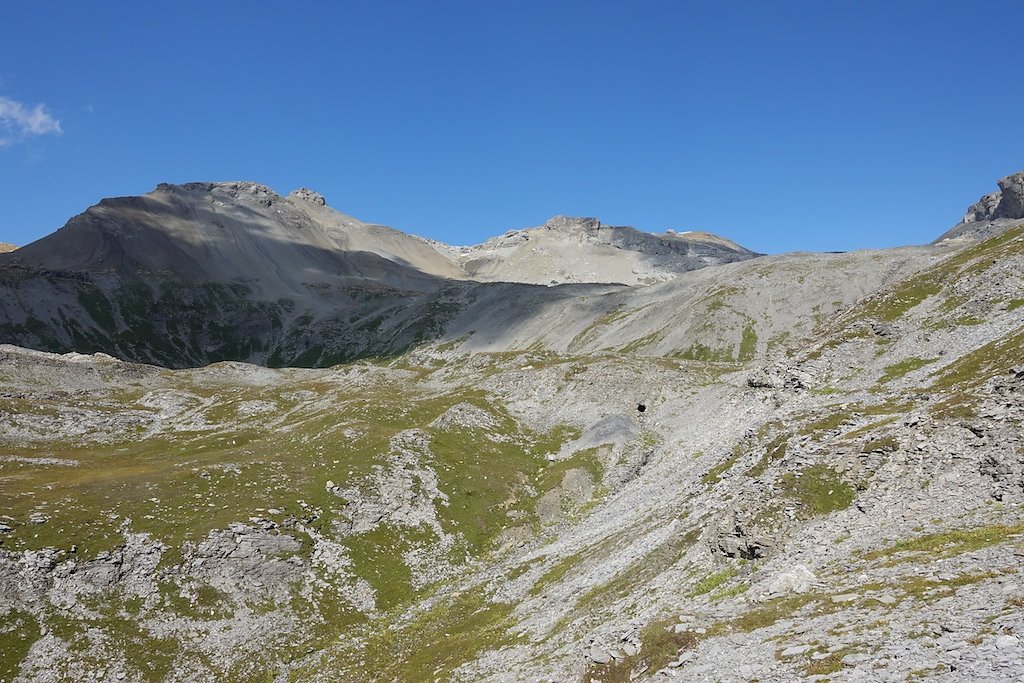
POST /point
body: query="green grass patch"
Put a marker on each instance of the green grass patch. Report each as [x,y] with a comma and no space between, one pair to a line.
[946,543]
[18,631]
[765,615]
[713,475]
[552,575]
[588,459]
[897,370]
[659,645]
[831,664]
[377,557]
[147,657]
[711,582]
[592,330]
[899,300]
[930,590]
[894,304]
[838,416]
[829,422]
[868,428]
[748,343]
[428,646]
[819,489]
[705,354]
[628,581]
[773,452]
[732,592]
[977,367]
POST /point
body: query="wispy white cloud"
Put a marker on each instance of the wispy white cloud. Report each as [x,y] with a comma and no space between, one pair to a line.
[18,122]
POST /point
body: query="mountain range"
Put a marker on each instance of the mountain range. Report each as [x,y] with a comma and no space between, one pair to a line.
[196,273]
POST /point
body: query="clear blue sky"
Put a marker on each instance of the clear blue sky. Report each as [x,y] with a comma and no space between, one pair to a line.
[818,125]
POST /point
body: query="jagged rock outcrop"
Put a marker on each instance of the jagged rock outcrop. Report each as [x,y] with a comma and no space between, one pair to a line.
[307,195]
[5,247]
[1008,202]
[992,213]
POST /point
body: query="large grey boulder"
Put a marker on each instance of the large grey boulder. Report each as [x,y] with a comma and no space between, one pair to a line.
[307,195]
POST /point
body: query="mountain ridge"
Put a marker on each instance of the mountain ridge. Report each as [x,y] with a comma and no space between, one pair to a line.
[200,272]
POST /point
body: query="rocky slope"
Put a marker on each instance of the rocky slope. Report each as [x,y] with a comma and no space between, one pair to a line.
[826,478]
[5,247]
[599,253]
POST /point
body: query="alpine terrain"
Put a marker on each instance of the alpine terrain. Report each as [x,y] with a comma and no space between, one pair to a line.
[244,437]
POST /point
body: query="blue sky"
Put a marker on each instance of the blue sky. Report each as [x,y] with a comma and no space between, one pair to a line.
[784,125]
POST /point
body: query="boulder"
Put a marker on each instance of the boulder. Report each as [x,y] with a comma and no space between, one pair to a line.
[306,195]
[797,579]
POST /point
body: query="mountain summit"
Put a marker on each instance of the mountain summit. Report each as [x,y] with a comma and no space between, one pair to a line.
[568,249]
[991,214]
[235,232]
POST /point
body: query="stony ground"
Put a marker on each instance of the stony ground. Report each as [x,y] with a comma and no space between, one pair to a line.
[826,483]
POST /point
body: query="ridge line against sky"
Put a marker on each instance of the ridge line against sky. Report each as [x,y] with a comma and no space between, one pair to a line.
[783,126]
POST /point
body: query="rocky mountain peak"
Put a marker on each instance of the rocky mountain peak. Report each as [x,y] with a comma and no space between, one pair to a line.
[991,214]
[573,224]
[1008,202]
[242,191]
[307,195]
[5,247]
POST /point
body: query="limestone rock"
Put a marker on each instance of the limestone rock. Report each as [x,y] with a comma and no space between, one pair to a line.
[798,579]
[1007,642]
[306,195]
[992,213]
[855,659]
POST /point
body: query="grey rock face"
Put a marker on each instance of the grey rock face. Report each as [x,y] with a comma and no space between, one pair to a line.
[798,579]
[307,195]
[1011,197]
[992,213]
[1008,202]
[572,223]
[982,210]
